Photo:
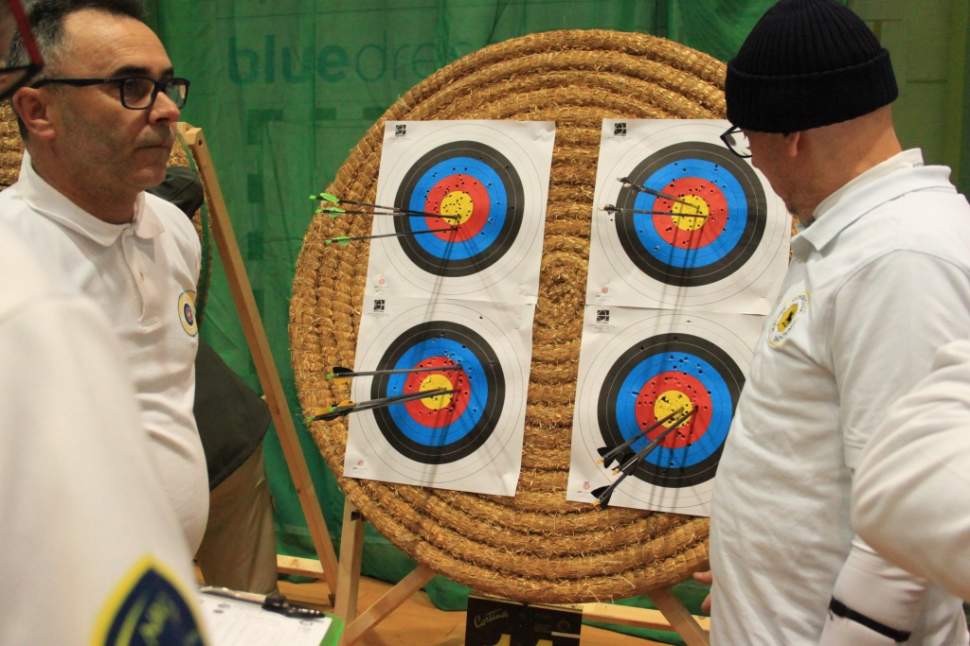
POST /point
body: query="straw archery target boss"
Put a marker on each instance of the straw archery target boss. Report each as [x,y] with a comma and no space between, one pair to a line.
[537,546]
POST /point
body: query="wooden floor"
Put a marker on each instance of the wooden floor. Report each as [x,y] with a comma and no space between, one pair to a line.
[419,622]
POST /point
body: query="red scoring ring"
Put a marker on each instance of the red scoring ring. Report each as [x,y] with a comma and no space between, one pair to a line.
[694,428]
[713,225]
[481,207]
[459,400]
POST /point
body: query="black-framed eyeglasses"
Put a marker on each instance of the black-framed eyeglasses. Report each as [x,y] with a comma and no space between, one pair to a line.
[136,92]
[737,142]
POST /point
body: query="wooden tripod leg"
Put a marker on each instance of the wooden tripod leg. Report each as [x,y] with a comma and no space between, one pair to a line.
[679,617]
[351,552]
[269,378]
[387,604]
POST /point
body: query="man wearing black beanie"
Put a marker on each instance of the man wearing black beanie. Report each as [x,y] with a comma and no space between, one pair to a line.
[879,278]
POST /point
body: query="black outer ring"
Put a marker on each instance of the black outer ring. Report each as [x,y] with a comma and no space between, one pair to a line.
[492,408]
[513,218]
[731,262]
[663,344]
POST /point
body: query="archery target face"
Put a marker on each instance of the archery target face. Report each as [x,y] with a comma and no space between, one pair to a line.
[636,371]
[469,437]
[492,178]
[716,236]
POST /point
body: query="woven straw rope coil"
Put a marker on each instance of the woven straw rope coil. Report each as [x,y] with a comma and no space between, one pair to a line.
[536,546]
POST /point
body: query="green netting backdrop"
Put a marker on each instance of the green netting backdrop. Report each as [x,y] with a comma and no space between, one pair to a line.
[285,88]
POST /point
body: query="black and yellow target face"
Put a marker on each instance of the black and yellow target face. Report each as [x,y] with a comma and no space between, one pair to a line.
[476,185]
[708,223]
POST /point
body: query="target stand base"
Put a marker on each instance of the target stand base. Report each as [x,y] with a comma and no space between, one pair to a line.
[670,614]
[348,579]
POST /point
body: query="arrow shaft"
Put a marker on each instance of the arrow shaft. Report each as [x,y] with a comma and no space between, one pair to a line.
[627,468]
[615,451]
[393,214]
[397,209]
[379,403]
[642,453]
[375,373]
[390,235]
[670,213]
[655,193]
[401,399]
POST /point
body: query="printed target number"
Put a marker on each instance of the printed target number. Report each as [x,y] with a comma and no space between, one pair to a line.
[708,231]
[655,378]
[474,182]
[447,427]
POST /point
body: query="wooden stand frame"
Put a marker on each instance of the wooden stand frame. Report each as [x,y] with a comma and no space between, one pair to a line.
[269,378]
[670,614]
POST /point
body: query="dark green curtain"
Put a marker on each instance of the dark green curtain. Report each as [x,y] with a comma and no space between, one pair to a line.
[285,89]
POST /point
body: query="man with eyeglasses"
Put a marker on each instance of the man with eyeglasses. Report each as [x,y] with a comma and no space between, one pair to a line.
[98,127]
[91,548]
[879,278]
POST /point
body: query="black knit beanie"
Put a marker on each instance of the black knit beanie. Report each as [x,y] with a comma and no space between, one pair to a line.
[807,63]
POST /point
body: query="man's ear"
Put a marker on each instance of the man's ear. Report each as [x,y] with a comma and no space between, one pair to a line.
[34,110]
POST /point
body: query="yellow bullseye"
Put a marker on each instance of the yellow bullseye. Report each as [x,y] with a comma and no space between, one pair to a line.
[670,401]
[686,219]
[457,203]
[436,382]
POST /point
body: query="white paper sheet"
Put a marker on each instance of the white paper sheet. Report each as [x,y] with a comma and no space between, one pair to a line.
[232,622]
[636,367]
[495,175]
[725,250]
[470,440]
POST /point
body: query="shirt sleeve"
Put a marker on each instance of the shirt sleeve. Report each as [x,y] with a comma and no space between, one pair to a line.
[911,489]
[887,323]
[77,484]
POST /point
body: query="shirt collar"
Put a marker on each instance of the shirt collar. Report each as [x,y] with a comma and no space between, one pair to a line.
[876,186]
[49,202]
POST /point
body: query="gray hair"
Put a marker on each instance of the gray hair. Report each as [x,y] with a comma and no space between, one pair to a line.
[46,19]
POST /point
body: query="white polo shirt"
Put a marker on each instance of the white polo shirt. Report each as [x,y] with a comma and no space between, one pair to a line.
[876,284]
[86,539]
[926,528]
[143,275]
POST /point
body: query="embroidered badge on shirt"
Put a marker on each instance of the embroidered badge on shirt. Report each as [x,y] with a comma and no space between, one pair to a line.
[783,325]
[147,607]
[187,313]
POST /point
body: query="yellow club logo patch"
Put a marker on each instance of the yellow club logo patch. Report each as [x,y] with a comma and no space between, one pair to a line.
[148,606]
[783,325]
[187,313]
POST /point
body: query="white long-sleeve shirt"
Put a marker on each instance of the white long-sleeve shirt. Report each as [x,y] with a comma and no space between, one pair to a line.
[911,495]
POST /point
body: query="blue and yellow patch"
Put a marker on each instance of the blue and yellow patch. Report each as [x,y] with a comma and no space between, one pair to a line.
[148,607]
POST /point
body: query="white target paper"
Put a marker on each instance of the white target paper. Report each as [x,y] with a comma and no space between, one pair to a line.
[639,366]
[492,177]
[467,440]
[696,227]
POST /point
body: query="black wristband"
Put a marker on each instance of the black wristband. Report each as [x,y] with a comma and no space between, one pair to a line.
[841,610]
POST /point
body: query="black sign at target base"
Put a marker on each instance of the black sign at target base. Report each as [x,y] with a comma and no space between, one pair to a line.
[499,622]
